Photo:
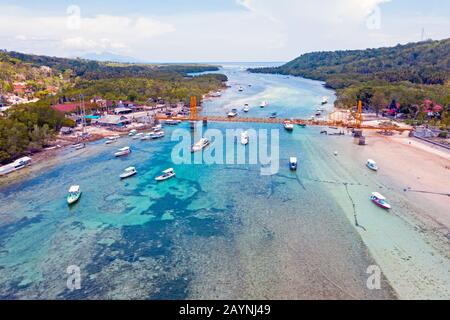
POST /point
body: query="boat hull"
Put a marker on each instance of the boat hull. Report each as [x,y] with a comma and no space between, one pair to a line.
[164,178]
[380,204]
[73,199]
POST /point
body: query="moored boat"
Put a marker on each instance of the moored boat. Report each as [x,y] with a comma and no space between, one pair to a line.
[79,146]
[246,108]
[157,134]
[372,165]
[293,163]
[137,136]
[123,152]
[172,122]
[132,132]
[380,200]
[111,139]
[200,145]
[244,138]
[167,174]
[273,115]
[73,195]
[232,113]
[264,104]
[324,100]
[128,172]
[288,125]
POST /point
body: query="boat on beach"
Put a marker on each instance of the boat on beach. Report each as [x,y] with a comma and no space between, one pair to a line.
[246,108]
[380,200]
[167,174]
[293,163]
[132,133]
[123,152]
[264,104]
[128,172]
[73,195]
[14,166]
[79,146]
[244,138]
[200,145]
[372,165]
[324,100]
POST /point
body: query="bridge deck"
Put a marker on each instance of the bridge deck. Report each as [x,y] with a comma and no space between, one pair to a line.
[340,124]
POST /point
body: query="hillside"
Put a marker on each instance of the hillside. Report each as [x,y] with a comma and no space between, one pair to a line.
[407,73]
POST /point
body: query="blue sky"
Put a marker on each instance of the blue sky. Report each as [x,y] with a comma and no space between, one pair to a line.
[216,30]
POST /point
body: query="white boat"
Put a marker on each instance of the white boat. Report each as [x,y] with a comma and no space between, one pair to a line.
[73,195]
[293,163]
[138,136]
[132,132]
[246,108]
[324,100]
[128,172]
[147,136]
[167,174]
[372,165]
[241,89]
[380,200]
[318,113]
[200,145]
[123,152]
[157,127]
[14,166]
[111,139]
[171,122]
[232,113]
[264,104]
[289,126]
[244,138]
[157,134]
[79,146]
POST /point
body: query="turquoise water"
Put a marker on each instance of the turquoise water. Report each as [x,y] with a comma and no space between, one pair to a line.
[215,231]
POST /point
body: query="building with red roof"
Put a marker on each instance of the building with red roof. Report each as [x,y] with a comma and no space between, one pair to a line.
[66,107]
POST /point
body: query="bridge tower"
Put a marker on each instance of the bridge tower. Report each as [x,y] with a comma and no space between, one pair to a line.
[359,116]
[193,108]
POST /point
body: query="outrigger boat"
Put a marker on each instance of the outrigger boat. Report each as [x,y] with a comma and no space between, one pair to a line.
[128,172]
[123,152]
[244,138]
[288,125]
[293,163]
[232,113]
[171,122]
[79,146]
[167,174]
[110,140]
[372,165]
[73,195]
[380,200]
[200,145]
[157,134]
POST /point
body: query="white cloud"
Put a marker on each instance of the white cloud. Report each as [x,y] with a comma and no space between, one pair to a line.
[259,30]
[65,36]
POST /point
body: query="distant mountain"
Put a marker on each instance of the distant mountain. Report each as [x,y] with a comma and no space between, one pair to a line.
[422,63]
[109,57]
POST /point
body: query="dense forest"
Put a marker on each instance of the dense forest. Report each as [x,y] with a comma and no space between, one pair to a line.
[29,127]
[406,74]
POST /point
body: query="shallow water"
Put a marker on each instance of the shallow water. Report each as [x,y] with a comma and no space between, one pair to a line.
[215,231]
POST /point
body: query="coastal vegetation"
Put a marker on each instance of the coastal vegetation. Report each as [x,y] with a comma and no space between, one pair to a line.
[405,76]
[28,127]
